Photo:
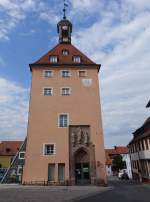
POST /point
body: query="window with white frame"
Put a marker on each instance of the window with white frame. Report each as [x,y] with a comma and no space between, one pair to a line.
[63,120]
[21,155]
[53,59]
[49,149]
[77,59]
[65,52]
[48,73]
[48,92]
[19,170]
[65,91]
[65,73]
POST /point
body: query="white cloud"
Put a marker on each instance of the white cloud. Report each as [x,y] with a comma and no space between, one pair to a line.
[50,17]
[13,12]
[13,110]
[119,41]
[118,38]
[86,5]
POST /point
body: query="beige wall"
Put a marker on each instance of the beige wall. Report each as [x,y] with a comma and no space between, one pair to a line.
[5,161]
[83,107]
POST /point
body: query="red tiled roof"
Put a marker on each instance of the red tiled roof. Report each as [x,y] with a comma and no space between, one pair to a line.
[9,148]
[111,152]
[57,51]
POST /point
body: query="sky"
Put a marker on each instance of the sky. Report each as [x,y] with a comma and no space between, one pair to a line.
[113,33]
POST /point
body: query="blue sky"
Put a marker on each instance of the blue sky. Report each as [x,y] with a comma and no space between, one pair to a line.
[115,33]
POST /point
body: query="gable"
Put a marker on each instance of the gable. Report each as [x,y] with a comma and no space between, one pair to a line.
[62,59]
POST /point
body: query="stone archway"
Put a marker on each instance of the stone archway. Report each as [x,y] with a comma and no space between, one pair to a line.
[81,152]
[82,167]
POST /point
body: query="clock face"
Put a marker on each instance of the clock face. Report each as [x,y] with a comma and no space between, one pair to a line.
[65,27]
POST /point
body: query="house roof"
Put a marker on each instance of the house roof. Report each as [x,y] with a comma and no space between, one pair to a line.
[62,59]
[117,150]
[9,148]
[111,152]
[148,105]
[142,132]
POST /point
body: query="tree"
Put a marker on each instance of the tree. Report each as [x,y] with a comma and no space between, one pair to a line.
[118,163]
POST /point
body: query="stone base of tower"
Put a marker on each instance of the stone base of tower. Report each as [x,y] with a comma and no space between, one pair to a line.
[84,167]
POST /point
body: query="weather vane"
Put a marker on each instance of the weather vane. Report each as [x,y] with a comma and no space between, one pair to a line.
[64,10]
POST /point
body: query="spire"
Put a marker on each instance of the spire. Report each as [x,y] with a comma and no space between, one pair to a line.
[64,10]
[64,27]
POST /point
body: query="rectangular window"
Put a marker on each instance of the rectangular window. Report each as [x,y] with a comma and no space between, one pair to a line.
[139,146]
[146,143]
[21,155]
[49,149]
[63,120]
[48,73]
[142,143]
[61,172]
[48,92]
[53,59]
[77,59]
[65,52]
[82,73]
[51,172]
[19,170]
[65,73]
[65,91]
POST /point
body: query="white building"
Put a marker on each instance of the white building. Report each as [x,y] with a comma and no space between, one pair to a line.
[126,158]
[124,152]
[139,149]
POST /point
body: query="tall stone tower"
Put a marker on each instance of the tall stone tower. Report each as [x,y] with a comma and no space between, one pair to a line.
[65,137]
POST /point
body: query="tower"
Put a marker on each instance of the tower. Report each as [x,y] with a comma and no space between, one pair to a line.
[65,136]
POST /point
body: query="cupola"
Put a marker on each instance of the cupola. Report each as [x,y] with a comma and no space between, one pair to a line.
[64,28]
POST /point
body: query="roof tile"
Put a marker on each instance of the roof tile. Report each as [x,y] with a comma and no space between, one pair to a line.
[9,148]
[57,51]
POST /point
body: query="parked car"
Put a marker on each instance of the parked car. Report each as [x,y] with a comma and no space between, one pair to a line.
[123,175]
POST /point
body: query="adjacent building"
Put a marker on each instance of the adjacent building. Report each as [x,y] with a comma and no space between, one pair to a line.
[65,136]
[139,149]
[118,150]
[14,171]
[8,149]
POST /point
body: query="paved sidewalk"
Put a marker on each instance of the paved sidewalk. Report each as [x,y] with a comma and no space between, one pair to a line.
[18,193]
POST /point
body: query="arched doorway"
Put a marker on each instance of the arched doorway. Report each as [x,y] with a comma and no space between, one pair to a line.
[82,167]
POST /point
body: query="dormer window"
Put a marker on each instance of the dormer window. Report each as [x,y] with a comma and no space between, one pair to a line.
[77,59]
[53,59]
[65,52]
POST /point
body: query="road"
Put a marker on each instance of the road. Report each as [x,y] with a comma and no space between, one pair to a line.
[122,191]
[118,191]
